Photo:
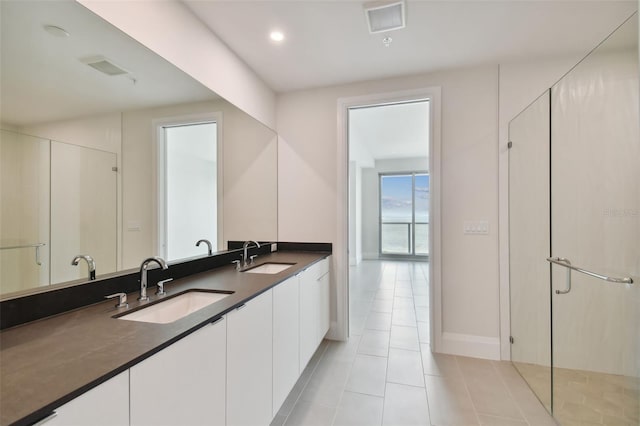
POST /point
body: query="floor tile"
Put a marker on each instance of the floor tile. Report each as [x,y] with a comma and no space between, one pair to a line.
[378,321]
[404,338]
[342,351]
[423,332]
[405,367]
[405,405]
[404,317]
[310,414]
[327,383]
[449,402]
[357,409]
[403,292]
[385,294]
[422,314]
[487,389]
[420,301]
[499,421]
[421,290]
[403,303]
[374,342]
[368,375]
[380,305]
[435,364]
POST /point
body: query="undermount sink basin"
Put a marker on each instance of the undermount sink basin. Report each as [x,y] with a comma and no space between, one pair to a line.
[269,268]
[174,308]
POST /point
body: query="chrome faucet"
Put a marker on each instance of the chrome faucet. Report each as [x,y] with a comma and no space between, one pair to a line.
[143,275]
[245,246]
[90,263]
[208,243]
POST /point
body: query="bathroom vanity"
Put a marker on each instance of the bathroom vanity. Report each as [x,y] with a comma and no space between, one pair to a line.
[233,361]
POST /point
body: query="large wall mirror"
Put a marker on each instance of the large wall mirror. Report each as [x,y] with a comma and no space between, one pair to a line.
[110,151]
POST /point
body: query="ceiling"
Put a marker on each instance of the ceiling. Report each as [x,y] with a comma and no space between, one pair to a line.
[43,78]
[328,42]
[390,131]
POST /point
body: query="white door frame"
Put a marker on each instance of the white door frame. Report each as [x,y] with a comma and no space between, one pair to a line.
[160,175]
[433,94]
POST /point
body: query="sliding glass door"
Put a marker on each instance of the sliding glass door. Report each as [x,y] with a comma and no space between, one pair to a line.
[404,214]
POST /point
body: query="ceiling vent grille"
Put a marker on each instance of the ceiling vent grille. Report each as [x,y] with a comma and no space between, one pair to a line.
[383,16]
[104,65]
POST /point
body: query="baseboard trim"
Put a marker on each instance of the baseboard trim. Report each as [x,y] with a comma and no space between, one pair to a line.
[471,345]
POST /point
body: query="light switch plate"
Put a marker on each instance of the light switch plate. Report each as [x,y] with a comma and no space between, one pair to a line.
[476,227]
[133,225]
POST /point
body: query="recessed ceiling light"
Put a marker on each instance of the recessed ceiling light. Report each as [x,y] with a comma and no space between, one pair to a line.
[276,36]
[56,31]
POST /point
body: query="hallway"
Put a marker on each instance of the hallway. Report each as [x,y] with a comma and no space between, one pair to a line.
[386,373]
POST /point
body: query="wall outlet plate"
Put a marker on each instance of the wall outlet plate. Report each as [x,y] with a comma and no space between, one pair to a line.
[274,247]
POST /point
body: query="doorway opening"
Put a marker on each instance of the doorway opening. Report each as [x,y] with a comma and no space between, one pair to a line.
[188,187]
[388,217]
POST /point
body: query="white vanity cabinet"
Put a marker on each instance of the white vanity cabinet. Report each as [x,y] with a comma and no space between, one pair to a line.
[183,384]
[236,371]
[314,309]
[249,362]
[105,405]
[286,338]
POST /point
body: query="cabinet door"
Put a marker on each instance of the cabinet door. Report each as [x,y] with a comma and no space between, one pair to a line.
[286,329]
[308,317]
[183,384]
[249,362]
[105,405]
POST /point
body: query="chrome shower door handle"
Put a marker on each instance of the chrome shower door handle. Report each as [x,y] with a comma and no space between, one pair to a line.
[566,262]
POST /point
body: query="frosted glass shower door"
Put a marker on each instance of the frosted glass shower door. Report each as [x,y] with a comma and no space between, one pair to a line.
[529,246]
[83,210]
[24,212]
[595,224]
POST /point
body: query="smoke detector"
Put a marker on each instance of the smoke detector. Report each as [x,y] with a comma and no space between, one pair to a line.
[104,65]
[383,16]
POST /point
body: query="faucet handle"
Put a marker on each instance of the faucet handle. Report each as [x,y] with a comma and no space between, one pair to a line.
[160,290]
[237,262]
[122,299]
[252,258]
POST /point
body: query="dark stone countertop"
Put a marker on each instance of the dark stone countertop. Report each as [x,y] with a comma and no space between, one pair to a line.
[46,363]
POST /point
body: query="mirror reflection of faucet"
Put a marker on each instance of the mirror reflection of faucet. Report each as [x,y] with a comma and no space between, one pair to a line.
[90,263]
[209,246]
[143,275]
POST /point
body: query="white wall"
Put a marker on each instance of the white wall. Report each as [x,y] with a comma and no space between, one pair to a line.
[359,157]
[309,190]
[169,29]
[371,198]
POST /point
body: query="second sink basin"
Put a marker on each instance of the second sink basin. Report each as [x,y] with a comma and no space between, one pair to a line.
[269,268]
[174,308]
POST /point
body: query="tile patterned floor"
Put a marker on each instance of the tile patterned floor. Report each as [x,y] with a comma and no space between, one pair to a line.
[386,374]
[586,397]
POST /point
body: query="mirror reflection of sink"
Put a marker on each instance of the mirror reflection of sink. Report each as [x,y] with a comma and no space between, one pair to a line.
[174,308]
[269,268]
